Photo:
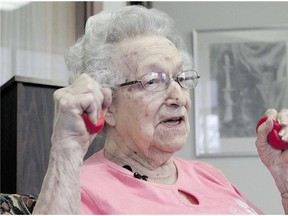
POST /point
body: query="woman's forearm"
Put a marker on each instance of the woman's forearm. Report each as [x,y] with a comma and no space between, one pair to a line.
[280,175]
[60,192]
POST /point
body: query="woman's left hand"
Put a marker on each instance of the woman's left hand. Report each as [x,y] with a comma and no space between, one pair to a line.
[275,160]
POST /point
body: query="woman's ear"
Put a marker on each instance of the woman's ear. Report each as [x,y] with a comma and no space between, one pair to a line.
[109,116]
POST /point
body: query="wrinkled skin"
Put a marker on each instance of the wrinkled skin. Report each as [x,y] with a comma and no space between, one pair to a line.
[138,128]
[60,193]
[275,160]
[84,95]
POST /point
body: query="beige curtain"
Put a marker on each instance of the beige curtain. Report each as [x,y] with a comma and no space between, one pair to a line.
[35,37]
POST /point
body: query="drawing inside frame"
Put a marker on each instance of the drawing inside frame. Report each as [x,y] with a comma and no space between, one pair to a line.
[243,73]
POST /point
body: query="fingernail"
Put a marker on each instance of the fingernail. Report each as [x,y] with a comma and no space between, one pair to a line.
[281,133]
[283,122]
[285,138]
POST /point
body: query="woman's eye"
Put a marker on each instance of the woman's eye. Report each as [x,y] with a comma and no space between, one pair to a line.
[153,82]
[181,79]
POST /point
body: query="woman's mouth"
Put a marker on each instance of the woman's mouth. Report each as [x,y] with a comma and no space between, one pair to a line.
[173,121]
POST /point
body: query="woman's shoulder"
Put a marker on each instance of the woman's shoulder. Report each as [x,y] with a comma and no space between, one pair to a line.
[94,162]
[194,163]
[201,169]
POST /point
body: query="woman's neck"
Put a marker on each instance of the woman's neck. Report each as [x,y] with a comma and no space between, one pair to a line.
[159,168]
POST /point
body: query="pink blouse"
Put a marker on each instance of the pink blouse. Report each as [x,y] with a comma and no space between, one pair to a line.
[107,188]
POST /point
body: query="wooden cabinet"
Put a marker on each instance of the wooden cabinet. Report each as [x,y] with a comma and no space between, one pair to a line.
[27,109]
[26,126]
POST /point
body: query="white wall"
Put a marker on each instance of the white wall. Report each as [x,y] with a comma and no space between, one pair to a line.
[33,40]
[247,173]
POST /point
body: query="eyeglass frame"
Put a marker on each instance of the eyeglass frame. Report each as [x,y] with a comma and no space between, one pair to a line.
[175,78]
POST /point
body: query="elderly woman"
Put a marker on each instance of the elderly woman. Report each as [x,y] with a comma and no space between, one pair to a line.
[132,66]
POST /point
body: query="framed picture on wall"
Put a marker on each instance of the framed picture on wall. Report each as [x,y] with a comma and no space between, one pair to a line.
[243,73]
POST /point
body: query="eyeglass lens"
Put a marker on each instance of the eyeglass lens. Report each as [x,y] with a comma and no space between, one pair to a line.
[157,81]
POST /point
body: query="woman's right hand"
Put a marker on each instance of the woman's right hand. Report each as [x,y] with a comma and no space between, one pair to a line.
[84,95]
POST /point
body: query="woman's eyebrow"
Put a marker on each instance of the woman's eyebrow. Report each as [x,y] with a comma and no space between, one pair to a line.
[162,67]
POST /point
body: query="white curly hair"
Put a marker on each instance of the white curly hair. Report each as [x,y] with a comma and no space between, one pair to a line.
[96,54]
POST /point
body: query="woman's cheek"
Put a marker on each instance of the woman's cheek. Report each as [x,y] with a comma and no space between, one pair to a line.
[147,108]
[188,102]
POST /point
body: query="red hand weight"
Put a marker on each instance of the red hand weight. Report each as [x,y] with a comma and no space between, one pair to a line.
[273,139]
[94,128]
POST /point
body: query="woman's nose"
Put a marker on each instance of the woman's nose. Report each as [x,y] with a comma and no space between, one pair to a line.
[175,94]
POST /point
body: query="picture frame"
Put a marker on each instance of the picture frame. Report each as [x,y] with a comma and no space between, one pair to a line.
[243,71]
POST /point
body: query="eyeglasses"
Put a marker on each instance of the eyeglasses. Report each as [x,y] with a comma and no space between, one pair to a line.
[159,81]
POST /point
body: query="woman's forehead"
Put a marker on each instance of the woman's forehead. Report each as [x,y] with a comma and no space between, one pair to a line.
[144,41]
[138,45]
[149,52]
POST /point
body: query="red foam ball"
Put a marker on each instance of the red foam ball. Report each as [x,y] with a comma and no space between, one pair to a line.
[273,138]
[94,128]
